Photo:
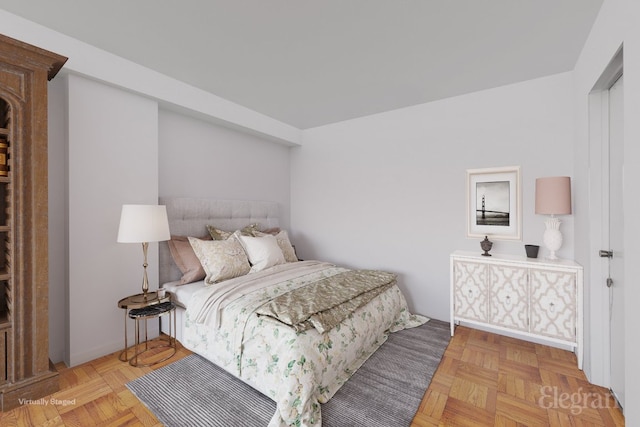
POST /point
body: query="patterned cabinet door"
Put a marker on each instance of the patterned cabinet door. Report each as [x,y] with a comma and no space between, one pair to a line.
[508,297]
[553,304]
[470,290]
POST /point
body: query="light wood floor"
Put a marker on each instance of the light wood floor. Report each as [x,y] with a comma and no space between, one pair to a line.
[492,380]
[483,380]
[92,394]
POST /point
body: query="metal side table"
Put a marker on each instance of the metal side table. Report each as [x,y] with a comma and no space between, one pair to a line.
[152,312]
[141,302]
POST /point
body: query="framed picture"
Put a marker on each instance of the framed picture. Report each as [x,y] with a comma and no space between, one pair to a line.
[494,206]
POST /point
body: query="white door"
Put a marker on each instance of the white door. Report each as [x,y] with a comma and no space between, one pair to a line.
[616,235]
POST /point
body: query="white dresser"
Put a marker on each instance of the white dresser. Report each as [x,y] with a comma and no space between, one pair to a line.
[533,298]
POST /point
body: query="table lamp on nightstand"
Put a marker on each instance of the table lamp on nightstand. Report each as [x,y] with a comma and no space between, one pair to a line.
[144,224]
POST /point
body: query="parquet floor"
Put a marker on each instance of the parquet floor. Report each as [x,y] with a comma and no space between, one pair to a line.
[483,380]
[486,379]
[92,394]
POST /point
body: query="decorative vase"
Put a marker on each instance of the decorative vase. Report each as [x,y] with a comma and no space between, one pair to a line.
[486,245]
[532,250]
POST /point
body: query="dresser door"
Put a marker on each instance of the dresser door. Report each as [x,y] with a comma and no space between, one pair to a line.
[470,291]
[508,297]
[553,304]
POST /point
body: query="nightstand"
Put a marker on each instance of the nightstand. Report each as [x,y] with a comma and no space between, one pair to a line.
[138,308]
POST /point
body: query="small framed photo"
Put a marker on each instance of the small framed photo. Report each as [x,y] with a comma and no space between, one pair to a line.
[494,205]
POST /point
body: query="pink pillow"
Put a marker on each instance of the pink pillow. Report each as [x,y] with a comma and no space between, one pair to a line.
[186,259]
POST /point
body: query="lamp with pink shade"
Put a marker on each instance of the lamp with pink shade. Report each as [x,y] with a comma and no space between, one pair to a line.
[553,197]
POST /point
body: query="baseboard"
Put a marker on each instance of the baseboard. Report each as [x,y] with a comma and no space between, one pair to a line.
[29,391]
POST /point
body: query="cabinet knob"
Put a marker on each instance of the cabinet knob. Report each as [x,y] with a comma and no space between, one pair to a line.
[508,299]
[551,307]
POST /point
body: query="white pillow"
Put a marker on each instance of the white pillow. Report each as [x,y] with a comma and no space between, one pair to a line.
[263,252]
[220,259]
[285,245]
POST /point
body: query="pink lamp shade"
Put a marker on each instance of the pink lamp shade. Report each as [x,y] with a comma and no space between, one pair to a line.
[553,195]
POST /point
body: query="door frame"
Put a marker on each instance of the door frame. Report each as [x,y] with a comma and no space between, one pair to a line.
[599,310]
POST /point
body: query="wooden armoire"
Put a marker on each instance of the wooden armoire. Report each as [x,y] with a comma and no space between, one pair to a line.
[25,371]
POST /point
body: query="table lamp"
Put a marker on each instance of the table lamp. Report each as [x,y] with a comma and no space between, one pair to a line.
[553,197]
[144,224]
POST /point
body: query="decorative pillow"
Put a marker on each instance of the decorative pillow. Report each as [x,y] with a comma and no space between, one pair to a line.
[263,252]
[220,259]
[186,260]
[273,231]
[217,234]
[285,245]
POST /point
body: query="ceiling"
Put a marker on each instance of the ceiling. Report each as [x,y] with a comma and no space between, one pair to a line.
[309,63]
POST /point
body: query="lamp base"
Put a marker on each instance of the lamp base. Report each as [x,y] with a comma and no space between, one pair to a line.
[552,237]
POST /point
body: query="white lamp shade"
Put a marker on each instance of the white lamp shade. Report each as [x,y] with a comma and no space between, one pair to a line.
[143,223]
[553,195]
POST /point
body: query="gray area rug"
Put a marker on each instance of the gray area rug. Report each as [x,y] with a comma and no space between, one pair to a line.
[385,392]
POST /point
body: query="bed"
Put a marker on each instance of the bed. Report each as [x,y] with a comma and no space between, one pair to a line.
[238,325]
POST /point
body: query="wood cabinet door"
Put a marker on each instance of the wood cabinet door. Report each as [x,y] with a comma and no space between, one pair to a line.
[508,297]
[553,304]
[470,291]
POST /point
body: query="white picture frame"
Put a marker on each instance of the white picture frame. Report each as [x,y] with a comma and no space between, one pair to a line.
[494,203]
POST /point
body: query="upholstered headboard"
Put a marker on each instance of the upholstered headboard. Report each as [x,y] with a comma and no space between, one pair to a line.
[190,216]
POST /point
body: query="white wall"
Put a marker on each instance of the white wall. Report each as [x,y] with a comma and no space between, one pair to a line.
[112,160]
[388,191]
[58,249]
[202,159]
[632,207]
[122,149]
[615,26]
